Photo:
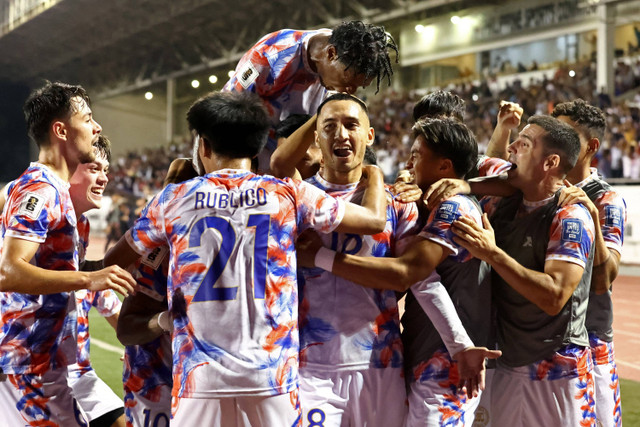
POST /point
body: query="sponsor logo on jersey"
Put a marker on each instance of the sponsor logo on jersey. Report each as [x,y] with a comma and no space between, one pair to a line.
[571,230]
[247,74]
[447,212]
[613,216]
[32,205]
[528,242]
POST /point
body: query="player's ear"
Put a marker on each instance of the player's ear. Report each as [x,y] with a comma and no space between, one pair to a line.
[204,150]
[59,129]
[552,161]
[446,165]
[332,53]
[593,146]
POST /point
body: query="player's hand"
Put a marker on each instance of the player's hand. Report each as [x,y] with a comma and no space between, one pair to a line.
[471,368]
[479,240]
[509,115]
[406,193]
[571,195]
[112,277]
[307,246]
[443,189]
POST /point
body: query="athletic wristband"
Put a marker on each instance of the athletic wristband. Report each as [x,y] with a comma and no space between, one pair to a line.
[324,259]
[163,321]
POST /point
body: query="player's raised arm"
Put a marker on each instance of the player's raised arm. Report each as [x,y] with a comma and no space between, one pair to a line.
[292,149]
[370,217]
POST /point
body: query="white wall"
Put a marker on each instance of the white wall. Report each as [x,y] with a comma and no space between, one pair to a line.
[131,122]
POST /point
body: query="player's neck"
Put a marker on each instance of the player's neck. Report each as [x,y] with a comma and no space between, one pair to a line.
[54,159]
[215,163]
[579,173]
[341,178]
[542,190]
[315,49]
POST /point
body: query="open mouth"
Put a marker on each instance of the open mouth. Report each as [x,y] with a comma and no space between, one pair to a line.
[97,192]
[342,151]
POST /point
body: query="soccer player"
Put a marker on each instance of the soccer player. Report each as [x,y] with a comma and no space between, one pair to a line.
[39,262]
[144,329]
[292,70]
[350,335]
[442,147]
[100,404]
[232,291]
[541,256]
[609,212]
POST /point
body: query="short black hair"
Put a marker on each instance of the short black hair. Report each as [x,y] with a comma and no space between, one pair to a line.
[286,127]
[232,124]
[103,145]
[342,96]
[439,103]
[370,156]
[560,139]
[450,139]
[365,48]
[53,101]
[590,119]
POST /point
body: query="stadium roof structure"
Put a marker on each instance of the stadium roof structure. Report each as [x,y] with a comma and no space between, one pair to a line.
[116,46]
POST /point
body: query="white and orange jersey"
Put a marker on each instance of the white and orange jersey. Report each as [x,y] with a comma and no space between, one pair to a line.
[232,287]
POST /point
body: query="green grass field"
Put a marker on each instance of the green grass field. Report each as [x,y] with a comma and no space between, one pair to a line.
[109,367]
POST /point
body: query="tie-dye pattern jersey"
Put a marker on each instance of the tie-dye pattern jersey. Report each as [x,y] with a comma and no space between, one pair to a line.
[490,166]
[277,70]
[232,286]
[344,325]
[571,235]
[39,331]
[108,304]
[147,367]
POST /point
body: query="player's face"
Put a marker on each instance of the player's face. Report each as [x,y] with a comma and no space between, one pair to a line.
[88,183]
[423,164]
[527,153]
[83,131]
[343,132]
[335,76]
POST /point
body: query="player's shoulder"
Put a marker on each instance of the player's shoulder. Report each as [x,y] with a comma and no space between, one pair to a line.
[576,212]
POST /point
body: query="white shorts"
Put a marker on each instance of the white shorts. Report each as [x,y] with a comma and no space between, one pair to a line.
[435,403]
[94,396]
[518,400]
[140,411]
[369,397]
[9,396]
[47,399]
[605,376]
[483,413]
[282,410]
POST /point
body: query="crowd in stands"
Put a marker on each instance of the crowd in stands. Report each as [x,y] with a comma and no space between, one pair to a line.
[138,176]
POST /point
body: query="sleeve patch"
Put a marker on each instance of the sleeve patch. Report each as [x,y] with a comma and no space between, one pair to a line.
[613,216]
[247,74]
[447,212]
[571,230]
[155,257]
[32,205]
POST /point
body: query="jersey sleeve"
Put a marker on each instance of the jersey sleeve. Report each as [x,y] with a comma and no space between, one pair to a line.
[438,227]
[106,302]
[31,210]
[407,219]
[612,210]
[316,209]
[571,235]
[490,166]
[151,273]
[148,232]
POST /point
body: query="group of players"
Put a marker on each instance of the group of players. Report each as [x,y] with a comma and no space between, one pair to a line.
[239,313]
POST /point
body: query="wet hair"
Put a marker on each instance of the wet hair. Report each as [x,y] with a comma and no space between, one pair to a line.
[53,101]
[232,124]
[365,48]
[370,156]
[590,120]
[103,146]
[341,96]
[286,127]
[439,103]
[560,139]
[449,139]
